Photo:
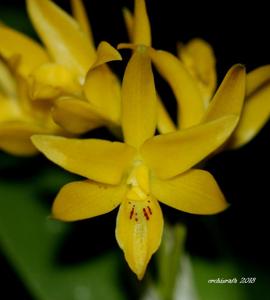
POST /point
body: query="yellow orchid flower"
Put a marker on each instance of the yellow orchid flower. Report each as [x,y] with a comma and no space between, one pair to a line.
[70,44]
[20,117]
[198,58]
[197,63]
[68,74]
[139,32]
[140,171]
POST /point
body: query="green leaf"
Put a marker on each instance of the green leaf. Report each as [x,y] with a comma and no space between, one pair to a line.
[31,242]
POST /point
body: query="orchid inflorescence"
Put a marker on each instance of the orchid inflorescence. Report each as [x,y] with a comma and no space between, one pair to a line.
[52,93]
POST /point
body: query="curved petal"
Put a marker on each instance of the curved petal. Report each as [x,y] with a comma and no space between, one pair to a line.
[86,199]
[229,97]
[77,116]
[105,53]
[80,14]
[14,43]
[199,58]
[102,87]
[171,154]
[257,78]
[129,22]
[256,113]
[7,82]
[8,109]
[99,160]
[141,30]
[139,230]
[15,137]
[61,34]
[139,107]
[190,104]
[194,191]
[164,121]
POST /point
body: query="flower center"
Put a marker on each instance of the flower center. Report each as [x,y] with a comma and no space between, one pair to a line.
[138,183]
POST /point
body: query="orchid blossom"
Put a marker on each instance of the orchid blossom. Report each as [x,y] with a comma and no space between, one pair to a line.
[143,169]
[193,79]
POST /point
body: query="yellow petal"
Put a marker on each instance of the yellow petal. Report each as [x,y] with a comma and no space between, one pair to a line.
[199,58]
[50,80]
[173,153]
[61,34]
[257,78]
[230,95]
[164,121]
[129,22]
[194,191]
[8,109]
[86,199]
[138,232]
[105,54]
[14,43]
[189,99]
[80,14]
[7,82]
[139,107]
[256,113]
[99,160]
[77,116]
[141,30]
[15,137]
[102,87]
[256,109]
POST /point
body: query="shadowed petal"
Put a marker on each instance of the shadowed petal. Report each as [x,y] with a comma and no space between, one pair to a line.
[80,14]
[30,53]
[77,116]
[86,199]
[62,35]
[255,114]
[194,191]
[102,87]
[15,137]
[190,104]
[164,121]
[198,57]
[256,111]
[99,160]
[129,22]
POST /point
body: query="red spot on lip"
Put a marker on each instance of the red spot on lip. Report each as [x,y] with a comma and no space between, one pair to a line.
[145,214]
[150,210]
[131,213]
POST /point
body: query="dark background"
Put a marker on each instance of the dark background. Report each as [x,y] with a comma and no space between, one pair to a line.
[239,33]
